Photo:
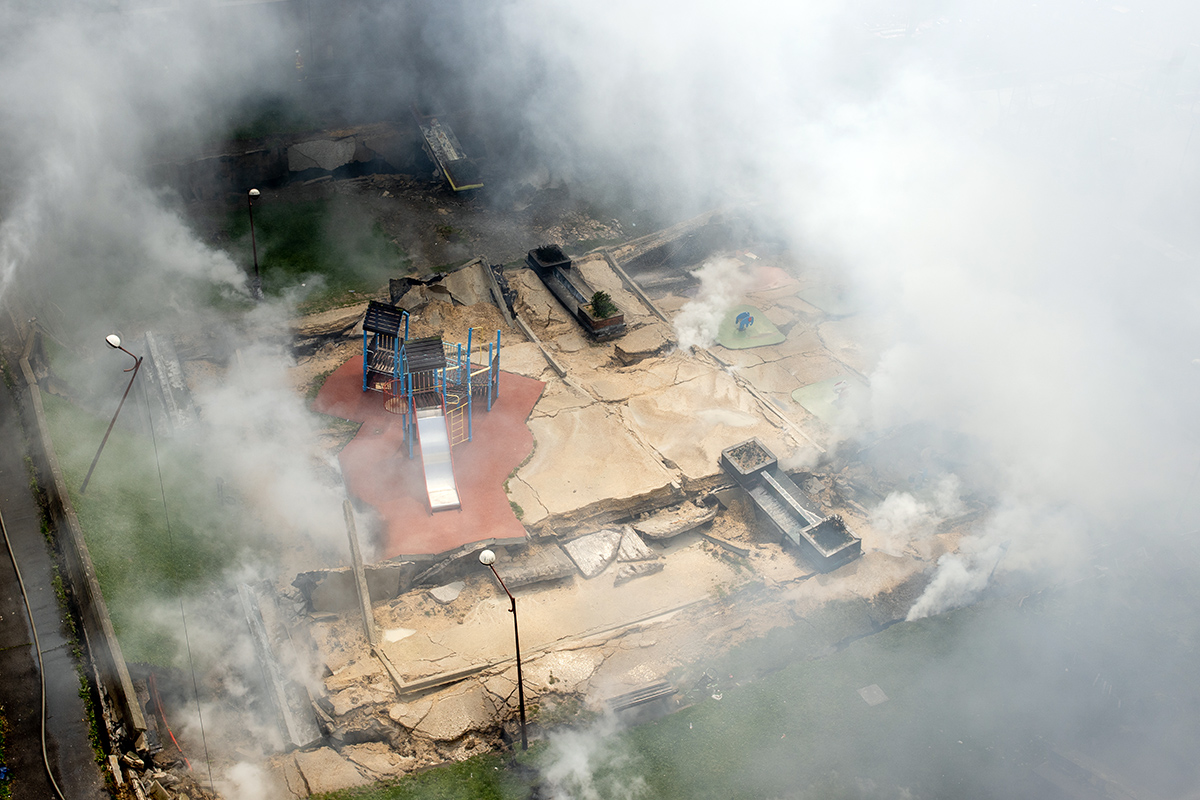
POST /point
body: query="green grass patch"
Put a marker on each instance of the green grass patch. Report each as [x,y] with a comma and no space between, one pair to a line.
[329,252]
[140,565]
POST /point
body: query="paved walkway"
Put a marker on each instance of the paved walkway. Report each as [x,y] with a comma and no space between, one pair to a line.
[70,752]
[378,471]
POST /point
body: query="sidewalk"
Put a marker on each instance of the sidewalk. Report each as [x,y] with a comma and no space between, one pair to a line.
[67,742]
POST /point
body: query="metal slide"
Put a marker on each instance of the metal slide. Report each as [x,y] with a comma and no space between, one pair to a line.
[434,437]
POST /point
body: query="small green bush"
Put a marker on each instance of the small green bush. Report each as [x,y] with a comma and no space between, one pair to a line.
[602,305]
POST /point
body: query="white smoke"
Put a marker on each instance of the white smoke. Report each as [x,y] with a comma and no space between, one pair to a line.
[722,283]
[583,764]
[260,436]
[1020,536]
[245,781]
[902,519]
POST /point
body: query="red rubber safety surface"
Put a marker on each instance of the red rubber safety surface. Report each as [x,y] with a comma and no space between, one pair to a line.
[379,472]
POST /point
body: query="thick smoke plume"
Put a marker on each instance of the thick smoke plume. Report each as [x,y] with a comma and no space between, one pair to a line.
[1008,191]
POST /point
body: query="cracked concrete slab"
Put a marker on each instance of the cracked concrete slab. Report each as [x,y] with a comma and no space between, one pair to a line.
[596,272]
[537,564]
[633,548]
[353,673]
[326,154]
[571,342]
[672,522]
[691,422]
[594,552]
[447,594]
[456,713]
[502,686]
[354,697]
[378,758]
[645,342]
[521,493]
[565,671]
[468,286]
[523,358]
[410,714]
[613,387]
[415,649]
[846,339]
[559,396]
[326,771]
[565,471]
[637,569]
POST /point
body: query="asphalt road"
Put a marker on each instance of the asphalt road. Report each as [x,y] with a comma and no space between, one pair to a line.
[70,753]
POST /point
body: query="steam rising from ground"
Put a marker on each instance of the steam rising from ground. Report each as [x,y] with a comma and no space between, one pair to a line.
[586,764]
[722,283]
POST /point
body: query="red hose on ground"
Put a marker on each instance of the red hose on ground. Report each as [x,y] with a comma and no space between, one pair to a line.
[162,714]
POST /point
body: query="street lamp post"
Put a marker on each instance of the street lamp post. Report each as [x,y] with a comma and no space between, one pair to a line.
[488,559]
[114,342]
[256,287]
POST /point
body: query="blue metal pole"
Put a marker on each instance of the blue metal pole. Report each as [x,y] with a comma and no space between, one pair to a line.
[406,326]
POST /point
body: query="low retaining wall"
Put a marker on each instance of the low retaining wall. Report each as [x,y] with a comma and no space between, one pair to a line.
[123,714]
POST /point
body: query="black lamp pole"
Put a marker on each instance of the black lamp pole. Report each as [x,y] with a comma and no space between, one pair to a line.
[488,559]
[114,342]
[256,288]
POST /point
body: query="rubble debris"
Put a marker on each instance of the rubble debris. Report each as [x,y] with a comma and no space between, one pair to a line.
[409,714]
[378,758]
[537,564]
[457,714]
[636,569]
[297,724]
[633,548]
[670,523]
[561,671]
[645,342]
[644,703]
[733,548]
[324,770]
[354,697]
[166,371]
[449,593]
[593,552]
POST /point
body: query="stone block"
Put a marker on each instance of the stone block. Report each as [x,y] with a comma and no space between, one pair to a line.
[326,771]
[594,552]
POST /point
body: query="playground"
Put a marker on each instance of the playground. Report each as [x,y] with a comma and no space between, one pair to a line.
[440,434]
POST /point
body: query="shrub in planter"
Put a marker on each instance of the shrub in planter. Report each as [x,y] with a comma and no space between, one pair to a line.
[602,305]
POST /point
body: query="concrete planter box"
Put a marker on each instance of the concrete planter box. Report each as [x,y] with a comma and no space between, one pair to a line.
[575,294]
